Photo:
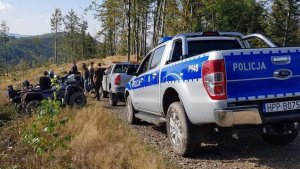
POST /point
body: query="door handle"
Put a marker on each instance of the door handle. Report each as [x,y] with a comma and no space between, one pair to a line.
[154,75]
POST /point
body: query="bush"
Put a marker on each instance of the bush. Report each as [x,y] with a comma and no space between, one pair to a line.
[43,134]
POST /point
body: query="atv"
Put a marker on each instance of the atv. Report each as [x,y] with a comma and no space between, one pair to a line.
[70,93]
[14,96]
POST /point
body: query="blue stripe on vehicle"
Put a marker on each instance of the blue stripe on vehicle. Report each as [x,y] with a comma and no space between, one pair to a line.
[183,70]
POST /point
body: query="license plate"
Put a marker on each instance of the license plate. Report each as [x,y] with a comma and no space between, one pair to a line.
[282,106]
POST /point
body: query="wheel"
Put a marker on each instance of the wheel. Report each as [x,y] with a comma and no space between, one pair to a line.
[77,99]
[31,106]
[19,108]
[103,93]
[111,101]
[280,139]
[181,133]
[131,119]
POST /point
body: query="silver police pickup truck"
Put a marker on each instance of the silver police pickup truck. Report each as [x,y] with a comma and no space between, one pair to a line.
[115,79]
[206,86]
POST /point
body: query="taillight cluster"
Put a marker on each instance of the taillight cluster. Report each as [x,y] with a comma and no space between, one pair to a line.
[118,80]
[214,79]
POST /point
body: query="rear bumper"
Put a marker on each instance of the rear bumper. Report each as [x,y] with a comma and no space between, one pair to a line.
[237,116]
[251,115]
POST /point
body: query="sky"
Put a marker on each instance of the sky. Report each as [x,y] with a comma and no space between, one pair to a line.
[32,17]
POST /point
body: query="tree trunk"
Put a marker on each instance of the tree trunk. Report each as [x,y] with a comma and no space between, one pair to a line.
[129,31]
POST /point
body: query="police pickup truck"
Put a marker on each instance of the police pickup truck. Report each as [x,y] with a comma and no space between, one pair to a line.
[203,85]
[115,79]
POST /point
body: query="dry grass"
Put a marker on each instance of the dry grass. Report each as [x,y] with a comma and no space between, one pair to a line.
[101,140]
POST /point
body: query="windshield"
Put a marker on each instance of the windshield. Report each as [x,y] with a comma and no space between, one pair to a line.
[203,46]
[123,68]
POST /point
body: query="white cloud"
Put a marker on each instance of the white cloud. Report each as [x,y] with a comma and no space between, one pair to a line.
[4,6]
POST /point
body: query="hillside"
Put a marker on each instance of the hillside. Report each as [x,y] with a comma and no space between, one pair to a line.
[36,49]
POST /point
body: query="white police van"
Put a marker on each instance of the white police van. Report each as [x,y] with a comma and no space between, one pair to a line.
[203,84]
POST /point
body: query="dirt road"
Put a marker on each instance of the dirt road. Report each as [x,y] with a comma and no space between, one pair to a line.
[244,153]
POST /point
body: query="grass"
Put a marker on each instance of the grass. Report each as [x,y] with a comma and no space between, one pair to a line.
[7,112]
[99,138]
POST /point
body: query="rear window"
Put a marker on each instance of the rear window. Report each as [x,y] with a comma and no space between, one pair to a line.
[123,68]
[203,46]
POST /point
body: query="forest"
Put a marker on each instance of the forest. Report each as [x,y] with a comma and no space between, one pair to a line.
[133,27]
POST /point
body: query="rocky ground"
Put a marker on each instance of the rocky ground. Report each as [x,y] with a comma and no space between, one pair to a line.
[245,153]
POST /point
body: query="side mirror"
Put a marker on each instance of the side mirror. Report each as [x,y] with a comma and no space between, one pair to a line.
[131,71]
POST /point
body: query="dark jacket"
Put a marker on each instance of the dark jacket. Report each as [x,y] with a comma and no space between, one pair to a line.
[74,69]
[45,83]
[98,77]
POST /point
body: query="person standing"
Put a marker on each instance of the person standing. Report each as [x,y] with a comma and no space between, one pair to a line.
[98,76]
[74,69]
[91,71]
[85,76]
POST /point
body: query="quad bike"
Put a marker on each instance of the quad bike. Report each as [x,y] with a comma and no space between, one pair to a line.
[70,93]
[14,96]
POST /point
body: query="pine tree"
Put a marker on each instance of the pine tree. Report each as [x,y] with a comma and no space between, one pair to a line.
[284,22]
[56,24]
[71,22]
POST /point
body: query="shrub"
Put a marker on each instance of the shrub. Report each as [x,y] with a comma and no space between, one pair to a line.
[43,134]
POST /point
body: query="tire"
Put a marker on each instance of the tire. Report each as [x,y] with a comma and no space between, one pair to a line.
[19,108]
[131,119]
[77,99]
[280,139]
[103,94]
[111,101]
[31,106]
[181,132]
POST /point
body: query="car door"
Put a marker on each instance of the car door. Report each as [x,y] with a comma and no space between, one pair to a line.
[150,101]
[138,83]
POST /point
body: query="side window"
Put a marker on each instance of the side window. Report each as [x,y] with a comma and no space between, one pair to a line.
[145,65]
[157,56]
[118,69]
[176,51]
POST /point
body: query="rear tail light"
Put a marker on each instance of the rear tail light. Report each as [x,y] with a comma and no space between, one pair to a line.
[214,79]
[118,80]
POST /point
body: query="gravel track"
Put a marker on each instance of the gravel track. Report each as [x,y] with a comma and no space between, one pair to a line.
[244,153]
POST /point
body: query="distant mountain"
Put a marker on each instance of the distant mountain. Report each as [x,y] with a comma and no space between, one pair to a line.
[16,35]
[29,49]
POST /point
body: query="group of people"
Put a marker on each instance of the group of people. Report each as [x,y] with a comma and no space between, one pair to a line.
[92,77]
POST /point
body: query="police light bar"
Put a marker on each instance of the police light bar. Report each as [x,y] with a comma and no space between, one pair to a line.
[165,39]
[210,34]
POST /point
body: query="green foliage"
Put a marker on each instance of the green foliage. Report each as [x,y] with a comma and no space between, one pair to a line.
[43,134]
[152,19]
[284,22]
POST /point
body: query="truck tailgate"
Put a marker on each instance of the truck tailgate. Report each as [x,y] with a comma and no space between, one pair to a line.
[259,74]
